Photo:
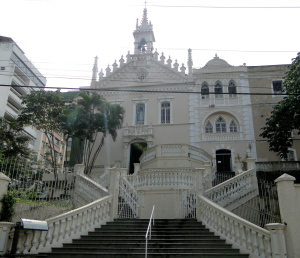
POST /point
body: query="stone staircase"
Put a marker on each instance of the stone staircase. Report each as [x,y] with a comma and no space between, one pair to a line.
[170,238]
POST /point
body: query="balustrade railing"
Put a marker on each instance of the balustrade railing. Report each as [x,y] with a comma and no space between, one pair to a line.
[104,180]
[86,190]
[242,187]
[128,204]
[148,155]
[171,150]
[64,227]
[175,150]
[277,166]
[222,137]
[181,178]
[198,154]
[248,237]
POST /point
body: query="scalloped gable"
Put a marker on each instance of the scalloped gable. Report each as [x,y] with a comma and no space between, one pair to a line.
[142,70]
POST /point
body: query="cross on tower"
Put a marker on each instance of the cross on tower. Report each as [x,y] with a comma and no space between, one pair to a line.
[146,4]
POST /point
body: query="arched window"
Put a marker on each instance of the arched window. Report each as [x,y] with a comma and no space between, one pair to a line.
[233,127]
[220,125]
[208,127]
[218,91]
[232,90]
[143,46]
[205,91]
[140,113]
[165,113]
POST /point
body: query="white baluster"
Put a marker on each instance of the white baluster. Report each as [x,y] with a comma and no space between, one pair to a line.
[73,225]
[255,243]
[43,238]
[88,219]
[61,230]
[35,237]
[249,241]
[26,246]
[261,246]
[268,244]
[55,232]
[236,233]
[67,228]
[78,225]
[243,237]
[49,234]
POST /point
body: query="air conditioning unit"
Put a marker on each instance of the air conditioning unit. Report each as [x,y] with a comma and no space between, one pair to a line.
[211,105]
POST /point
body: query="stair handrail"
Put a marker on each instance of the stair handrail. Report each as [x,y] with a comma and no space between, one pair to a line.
[149,230]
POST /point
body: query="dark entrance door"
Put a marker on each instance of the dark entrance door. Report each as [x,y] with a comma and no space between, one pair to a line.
[136,150]
[223,158]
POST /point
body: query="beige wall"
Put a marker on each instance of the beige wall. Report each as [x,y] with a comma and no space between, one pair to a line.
[260,81]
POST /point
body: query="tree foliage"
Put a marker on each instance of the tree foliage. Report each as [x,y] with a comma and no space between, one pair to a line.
[90,117]
[42,110]
[96,117]
[13,139]
[285,116]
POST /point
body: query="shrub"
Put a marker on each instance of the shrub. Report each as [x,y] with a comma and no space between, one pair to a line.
[8,201]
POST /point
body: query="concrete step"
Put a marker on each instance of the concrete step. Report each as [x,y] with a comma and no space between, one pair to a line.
[169,238]
[142,255]
[123,249]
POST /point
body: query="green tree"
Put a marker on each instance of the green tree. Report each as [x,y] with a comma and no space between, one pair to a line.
[13,140]
[285,116]
[42,110]
[96,118]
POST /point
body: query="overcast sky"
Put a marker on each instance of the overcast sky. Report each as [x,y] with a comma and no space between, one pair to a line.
[62,37]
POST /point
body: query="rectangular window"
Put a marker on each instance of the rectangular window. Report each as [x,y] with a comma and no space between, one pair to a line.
[277,87]
[165,113]
[140,114]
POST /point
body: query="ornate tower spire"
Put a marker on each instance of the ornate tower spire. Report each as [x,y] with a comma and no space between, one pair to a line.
[144,36]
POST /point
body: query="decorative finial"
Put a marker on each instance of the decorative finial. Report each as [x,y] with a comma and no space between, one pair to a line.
[95,68]
[146,4]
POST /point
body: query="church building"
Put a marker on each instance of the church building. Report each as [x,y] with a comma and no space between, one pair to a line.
[176,108]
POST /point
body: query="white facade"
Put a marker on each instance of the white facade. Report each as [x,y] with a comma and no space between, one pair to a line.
[16,70]
[166,103]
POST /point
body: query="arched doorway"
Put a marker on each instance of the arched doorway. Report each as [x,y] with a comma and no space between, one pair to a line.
[136,150]
[223,159]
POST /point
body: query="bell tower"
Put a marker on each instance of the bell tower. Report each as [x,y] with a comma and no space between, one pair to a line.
[143,36]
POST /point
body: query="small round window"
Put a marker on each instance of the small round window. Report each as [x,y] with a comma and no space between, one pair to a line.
[142,74]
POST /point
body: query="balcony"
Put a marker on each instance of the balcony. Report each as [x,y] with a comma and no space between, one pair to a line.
[213,137]
[139,129]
